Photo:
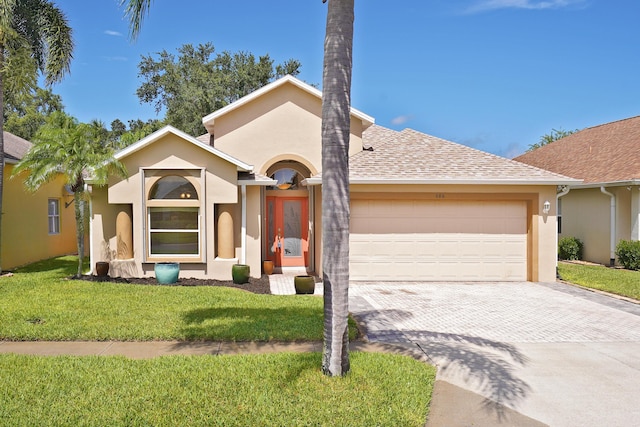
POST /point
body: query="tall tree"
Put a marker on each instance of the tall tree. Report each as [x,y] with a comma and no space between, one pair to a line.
[24,113]
[336,119]
[550,137]
[34,36]
[336,123]
[198,82]
[77,151]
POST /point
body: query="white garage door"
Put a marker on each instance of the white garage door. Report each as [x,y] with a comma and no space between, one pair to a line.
[438,240]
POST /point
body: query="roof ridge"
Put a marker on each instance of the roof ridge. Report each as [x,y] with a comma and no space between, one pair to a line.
[608,123]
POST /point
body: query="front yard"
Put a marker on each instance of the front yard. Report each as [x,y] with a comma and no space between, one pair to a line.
[39,303]
[614,280]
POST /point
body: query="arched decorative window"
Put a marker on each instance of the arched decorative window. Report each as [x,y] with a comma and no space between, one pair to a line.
[173,218]
[288,179]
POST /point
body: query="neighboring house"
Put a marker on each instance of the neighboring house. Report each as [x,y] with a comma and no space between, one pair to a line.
[605,208]
[422,208]
[36,225]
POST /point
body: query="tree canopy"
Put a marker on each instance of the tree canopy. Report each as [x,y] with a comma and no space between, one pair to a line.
[198,81]
[550,137]
[26,112]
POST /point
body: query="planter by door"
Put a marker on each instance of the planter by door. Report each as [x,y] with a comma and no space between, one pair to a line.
[267,266]
[240,273]
[304,284]
[167,272]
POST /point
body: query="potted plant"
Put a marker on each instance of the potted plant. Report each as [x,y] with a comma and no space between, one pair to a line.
[240,273]
[267,267]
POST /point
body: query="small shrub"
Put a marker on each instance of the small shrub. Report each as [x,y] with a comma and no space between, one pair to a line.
[570,248]
[628,253]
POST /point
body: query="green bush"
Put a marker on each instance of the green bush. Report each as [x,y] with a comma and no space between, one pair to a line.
[628,253]
[570,248]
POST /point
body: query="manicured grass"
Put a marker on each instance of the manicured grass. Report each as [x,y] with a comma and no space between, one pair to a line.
[39,303]
[257,390]
[614,280]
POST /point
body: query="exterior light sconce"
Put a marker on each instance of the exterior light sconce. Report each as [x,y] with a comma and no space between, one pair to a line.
[546,207]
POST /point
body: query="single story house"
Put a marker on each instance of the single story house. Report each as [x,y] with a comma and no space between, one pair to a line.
[249,190]
[38,225]
[605,207]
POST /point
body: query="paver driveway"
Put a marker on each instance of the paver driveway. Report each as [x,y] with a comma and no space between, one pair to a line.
[561,355]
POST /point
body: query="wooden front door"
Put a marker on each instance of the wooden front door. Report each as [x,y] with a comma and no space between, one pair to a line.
[287,231]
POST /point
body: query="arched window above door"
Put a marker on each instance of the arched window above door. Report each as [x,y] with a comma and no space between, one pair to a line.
[288,179]
[173,187]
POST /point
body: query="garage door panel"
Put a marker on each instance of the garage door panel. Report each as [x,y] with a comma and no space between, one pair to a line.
[426,240]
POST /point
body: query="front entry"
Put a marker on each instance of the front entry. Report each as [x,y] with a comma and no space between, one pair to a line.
[287,231]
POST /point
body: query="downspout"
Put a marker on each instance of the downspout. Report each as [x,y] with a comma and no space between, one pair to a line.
[612,246]
[243,230]
[563,192]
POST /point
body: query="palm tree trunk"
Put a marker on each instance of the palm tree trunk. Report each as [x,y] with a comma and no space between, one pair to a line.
[1,144]
[336,121]
[79,211]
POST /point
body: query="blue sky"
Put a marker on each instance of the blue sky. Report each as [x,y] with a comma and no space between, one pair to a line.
[495,75]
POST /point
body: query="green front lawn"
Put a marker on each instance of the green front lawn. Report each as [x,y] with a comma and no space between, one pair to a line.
[251,390]
[614,280]
[40,303]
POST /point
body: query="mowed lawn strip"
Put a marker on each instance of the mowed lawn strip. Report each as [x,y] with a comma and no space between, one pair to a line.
[613,280]
[40,303]
[260,390]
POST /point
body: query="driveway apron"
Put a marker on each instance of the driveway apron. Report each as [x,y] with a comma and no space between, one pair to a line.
[562,355]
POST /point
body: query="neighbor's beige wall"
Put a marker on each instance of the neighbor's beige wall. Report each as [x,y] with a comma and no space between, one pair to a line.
[284,124]
[586,214]
[171,152]
[25,226]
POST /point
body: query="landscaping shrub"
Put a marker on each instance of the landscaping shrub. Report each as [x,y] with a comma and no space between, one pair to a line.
[570,248]
[628,253]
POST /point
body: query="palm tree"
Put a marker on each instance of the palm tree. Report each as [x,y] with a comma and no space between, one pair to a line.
[34,36]
[336,119]
[77,151]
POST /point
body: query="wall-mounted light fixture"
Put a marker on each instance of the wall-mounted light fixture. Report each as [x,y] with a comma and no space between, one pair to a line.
[546,207]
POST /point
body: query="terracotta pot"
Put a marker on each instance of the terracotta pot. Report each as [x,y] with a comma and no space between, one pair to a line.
[267,266]
[304,284]
[240,273]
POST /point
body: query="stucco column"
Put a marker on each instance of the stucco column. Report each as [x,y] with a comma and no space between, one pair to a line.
[124,235]
[226,247]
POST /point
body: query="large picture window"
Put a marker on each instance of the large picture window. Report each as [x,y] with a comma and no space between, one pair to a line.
[173,218]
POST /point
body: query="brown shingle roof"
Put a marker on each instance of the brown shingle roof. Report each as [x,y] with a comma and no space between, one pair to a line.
[604,153]
[414,156]
[15,147]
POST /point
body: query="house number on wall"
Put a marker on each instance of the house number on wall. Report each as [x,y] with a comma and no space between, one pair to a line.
[439,195]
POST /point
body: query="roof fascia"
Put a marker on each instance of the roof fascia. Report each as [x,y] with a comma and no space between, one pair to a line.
[631,182]
[148,140]
[209,120]
[318,181]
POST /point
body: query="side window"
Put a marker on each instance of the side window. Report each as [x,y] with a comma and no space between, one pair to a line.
[54,216]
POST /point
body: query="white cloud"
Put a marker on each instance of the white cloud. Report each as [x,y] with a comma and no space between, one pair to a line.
[486,5]
[113,33]
[400,120]
[116,58]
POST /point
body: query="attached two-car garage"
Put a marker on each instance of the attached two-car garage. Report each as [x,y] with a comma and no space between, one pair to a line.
[438,240]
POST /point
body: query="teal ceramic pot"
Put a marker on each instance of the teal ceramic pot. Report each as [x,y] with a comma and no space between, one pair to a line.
[167,272]
[240,273]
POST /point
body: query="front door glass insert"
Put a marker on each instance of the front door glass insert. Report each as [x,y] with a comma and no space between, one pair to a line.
[292,228]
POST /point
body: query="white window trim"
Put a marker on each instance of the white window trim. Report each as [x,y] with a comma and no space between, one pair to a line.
[55,216]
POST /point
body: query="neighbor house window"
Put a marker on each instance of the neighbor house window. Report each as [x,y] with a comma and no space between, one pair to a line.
[54,216]
[559,216]
[173,219]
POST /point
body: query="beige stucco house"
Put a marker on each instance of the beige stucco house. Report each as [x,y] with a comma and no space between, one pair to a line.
[605,207]
[38,225]
[422,208]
